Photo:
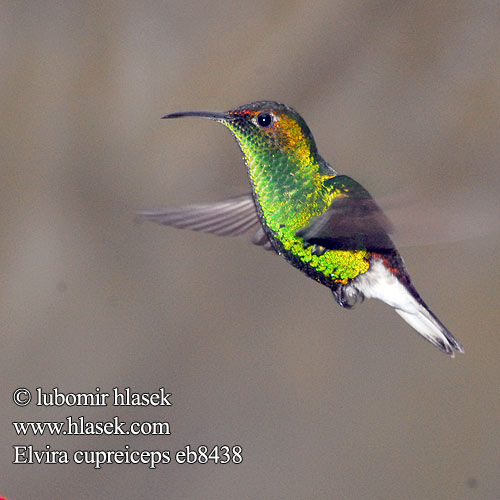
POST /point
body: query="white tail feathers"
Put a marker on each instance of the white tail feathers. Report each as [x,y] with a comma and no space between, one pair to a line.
[432,329]
[379,283]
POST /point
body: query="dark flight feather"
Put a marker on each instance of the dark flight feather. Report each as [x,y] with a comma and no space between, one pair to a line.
[352,222]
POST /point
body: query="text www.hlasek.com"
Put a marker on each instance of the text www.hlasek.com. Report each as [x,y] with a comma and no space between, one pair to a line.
[82,427]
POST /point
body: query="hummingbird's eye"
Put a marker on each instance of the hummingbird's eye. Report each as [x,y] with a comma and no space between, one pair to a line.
[264,120]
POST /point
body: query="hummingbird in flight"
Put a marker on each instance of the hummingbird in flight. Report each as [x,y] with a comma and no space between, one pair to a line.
[323,223]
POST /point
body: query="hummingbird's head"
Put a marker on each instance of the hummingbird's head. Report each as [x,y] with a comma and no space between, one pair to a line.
[265,128]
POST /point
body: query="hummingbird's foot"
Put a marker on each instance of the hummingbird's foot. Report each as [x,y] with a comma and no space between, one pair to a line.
[318,250]
[347,296]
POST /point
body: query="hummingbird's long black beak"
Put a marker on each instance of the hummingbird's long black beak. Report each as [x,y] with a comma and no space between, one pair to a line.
[203,114]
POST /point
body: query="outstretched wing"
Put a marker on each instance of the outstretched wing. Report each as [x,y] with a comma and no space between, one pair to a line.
[352,222]
[232,217]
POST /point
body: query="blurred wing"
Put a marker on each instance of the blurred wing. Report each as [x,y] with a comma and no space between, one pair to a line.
[352,222]
[260,238]
[232,217]
[420,219]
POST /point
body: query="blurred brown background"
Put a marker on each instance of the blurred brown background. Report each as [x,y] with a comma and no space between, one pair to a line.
[326,403]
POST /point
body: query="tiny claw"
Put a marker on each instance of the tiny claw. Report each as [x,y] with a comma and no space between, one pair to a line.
[348,297]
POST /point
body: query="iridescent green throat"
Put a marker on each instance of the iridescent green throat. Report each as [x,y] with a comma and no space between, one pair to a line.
[291,186]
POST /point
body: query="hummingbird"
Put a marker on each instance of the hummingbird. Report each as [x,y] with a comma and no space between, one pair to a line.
[324,223]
